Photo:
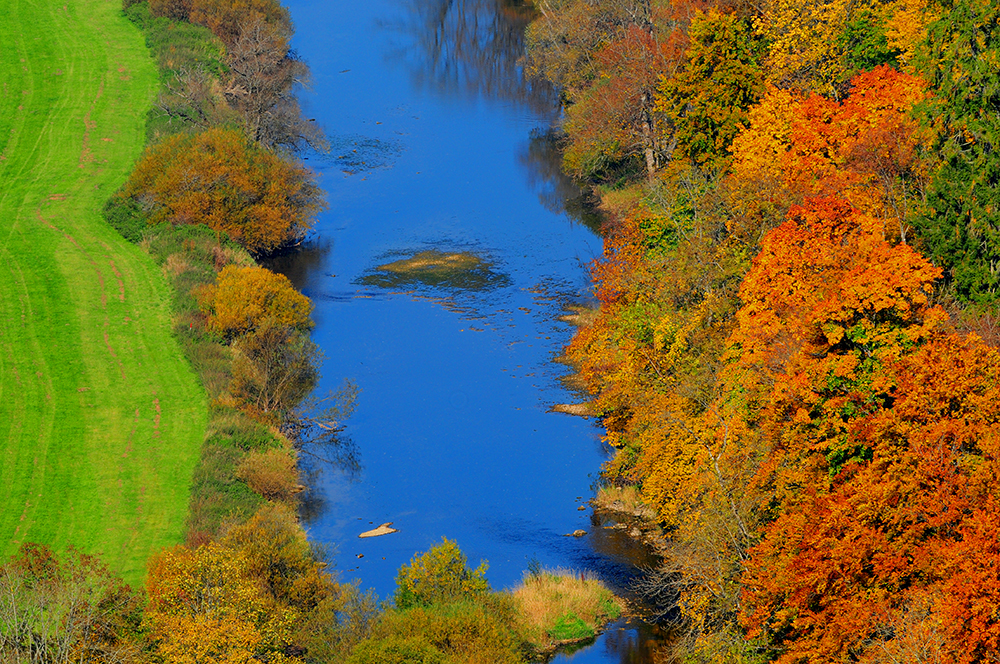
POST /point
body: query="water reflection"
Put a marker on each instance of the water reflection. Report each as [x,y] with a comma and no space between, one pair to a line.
[302,264]
[541,158]
[472,48]
[435,269]
[637,642]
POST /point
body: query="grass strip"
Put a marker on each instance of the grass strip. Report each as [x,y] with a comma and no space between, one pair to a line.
[101,416]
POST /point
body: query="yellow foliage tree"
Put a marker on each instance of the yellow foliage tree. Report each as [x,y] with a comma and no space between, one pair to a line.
[805,46]
[205,606]
[245,298]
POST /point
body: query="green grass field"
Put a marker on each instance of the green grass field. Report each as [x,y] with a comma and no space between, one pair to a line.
[101,418]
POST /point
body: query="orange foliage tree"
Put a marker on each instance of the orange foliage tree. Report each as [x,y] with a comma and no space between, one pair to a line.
[828,302]
[911,521]
[221,179]
[864,149]
[244,298]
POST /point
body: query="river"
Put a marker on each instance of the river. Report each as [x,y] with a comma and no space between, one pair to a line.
[439,148]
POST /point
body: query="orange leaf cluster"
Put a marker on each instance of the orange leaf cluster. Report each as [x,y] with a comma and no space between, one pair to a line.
[914,522]
[864,149]
[221,179]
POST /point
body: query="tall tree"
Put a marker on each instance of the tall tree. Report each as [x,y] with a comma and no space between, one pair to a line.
[706,102]
[263,75]
[606,59]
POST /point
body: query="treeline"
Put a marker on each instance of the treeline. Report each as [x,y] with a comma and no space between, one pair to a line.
[257,593]
[794,352]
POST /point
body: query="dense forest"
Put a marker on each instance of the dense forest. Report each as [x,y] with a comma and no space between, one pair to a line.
[795,350]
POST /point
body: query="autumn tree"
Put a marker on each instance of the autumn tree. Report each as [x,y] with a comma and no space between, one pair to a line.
[256,594]
[220,178]
[247,297]
[606,59]
[818,45]
[961,229]
[69,608]
[899,527]
[864,149]
[225,17]
[275,367]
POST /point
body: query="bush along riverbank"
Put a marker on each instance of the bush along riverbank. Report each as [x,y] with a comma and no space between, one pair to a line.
[795,352]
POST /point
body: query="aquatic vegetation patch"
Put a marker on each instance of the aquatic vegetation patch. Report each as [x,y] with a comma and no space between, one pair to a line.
[557,606]
[436,269]
[569,627]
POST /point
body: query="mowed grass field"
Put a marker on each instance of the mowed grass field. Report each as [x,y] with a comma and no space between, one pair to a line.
[101,417]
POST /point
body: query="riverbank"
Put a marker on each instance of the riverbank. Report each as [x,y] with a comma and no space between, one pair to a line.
[102,416]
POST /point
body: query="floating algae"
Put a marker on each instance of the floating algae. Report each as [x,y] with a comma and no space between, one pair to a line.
[460,270]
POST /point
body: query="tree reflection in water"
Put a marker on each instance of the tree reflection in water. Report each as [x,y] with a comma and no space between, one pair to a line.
[558,193]
[637,642]
[302,263]
[473,48]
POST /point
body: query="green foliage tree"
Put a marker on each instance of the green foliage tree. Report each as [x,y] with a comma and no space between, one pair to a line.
[438,576]
[706,103]
[961,231]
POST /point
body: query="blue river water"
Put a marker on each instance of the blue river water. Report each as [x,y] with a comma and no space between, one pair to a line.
[438,144]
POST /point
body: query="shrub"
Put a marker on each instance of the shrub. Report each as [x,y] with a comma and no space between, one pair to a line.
[274,369]
[224,17]
[179,10]
[221,179]
[244,298]
[396,650]
[272,474]
[439,576]
[466,632]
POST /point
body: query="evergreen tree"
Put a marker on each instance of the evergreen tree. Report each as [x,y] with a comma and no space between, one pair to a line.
[961,228]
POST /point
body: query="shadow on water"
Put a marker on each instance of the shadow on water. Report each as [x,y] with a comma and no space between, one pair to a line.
[472,48]
[637,642]
[541,158]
